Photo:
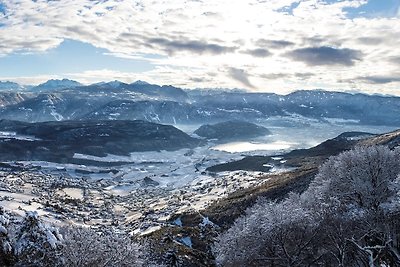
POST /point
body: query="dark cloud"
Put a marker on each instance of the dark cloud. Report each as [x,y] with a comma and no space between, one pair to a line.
[131,40]
[240,76]
[380,79]
[258,52]
[304,75]
[198,47]
[274,44]
[395,60]
[370,40]
[313,41]
[130,35]
[325,55]
[276,76]
[198,80]
[80,31]
[320,41]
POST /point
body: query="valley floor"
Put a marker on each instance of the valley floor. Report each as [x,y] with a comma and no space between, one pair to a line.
[144,191]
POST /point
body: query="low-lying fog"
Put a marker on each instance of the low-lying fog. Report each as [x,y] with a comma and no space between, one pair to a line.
[288,135]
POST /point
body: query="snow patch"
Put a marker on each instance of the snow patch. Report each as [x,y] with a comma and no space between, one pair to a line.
[178,222]
[187,241]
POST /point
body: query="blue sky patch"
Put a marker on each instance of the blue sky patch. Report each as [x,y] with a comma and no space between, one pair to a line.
[289,9]
[2,8]
[69,57]
[375,8]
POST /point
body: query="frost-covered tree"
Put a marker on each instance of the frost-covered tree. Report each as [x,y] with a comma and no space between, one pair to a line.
[31,242]
[349,216]
[6,253]
[171,259]
[365,178]
[36,243]
[363,186]
[271,234]
[84,247]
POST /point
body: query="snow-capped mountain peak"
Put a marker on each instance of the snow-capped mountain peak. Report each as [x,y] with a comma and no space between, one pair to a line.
[7,85]
[57,84]
[112,84]
[139,82]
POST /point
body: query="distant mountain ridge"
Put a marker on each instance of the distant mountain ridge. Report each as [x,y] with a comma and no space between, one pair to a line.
[116,100]
[11,86]
[56,85]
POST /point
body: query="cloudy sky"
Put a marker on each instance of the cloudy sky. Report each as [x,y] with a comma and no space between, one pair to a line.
[261,45]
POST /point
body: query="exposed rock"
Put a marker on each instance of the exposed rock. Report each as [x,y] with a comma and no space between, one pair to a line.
[147,181]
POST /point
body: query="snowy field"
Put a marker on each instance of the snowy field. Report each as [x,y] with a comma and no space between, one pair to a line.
[148,188]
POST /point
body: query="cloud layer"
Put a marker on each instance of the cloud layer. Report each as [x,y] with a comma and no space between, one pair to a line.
[264,45]
[325,55]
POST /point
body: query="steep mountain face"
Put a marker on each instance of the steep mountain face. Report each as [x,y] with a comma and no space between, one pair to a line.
[169,112]
[59,141]
[11,98]
[155,111]
[56,85]
[232,130]
[51,107]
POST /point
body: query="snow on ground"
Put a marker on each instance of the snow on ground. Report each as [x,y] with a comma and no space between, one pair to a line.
[76,193]
[171,169]
[14,135]
[148,188]
[146,193]
[237,147]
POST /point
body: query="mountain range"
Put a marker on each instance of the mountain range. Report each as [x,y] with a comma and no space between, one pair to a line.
[69,100]
[11,86]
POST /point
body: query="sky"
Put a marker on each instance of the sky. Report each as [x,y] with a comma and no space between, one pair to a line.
[260,45]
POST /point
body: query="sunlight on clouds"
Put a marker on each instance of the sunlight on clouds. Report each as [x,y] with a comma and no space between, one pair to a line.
[199,43]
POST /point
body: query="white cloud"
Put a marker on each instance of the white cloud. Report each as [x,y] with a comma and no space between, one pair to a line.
[203,41]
